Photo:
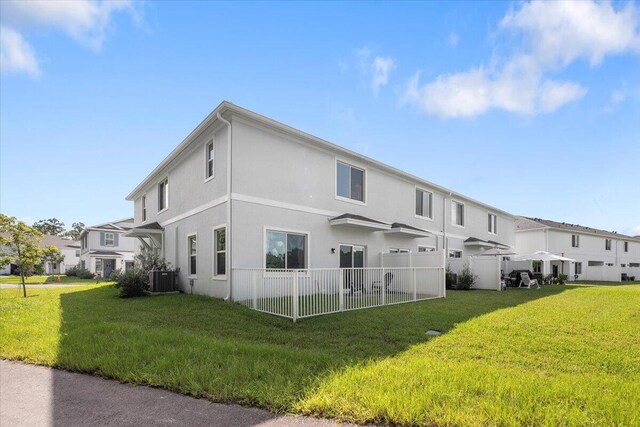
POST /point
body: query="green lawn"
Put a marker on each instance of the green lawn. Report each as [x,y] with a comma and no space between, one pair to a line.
[39,280]
[562,355]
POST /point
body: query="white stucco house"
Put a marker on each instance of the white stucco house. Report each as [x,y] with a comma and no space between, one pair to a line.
[104,248]
[598,254]
[70,249]
[243,191]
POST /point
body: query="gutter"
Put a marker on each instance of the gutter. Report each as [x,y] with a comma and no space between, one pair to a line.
[228,236]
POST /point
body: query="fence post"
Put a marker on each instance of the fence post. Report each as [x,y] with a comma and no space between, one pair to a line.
[294,296]
[384,287]
[341,291]
[254,285]
[415,286]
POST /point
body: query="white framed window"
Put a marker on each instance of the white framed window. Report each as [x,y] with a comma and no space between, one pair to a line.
[163,195]
[577,268]
[424,203]
[457,213]
[398,251]
[98,265]
[285,250]
[634,264]
[77,253]
[455,254]
[537,266]
[109,239]
[607,244]
[493,223]
[350,182]
[144,208]
[595,263]
[208,161]
[192,255]
[575,241]
[626,246]
[426,248]
[220,252]
[352,256]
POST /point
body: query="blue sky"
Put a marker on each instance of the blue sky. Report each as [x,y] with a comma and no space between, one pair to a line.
[531,107]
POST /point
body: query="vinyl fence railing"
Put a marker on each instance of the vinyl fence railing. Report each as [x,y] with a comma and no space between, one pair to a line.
[298,294]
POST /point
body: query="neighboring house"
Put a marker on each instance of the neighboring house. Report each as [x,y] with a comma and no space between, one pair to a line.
[281,198]
[104,248]
[599,254]
[69,248]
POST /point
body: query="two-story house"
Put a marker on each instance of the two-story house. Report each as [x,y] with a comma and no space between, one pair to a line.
[104,248]
[245,191]
[598,254]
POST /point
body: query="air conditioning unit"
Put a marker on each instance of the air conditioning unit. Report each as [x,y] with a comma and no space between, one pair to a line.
[163,281]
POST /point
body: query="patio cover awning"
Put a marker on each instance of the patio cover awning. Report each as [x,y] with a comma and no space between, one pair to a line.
[542,256]
[145,230]
[497,251]
[498,244]
[359,221]
[407,230]
[474,241]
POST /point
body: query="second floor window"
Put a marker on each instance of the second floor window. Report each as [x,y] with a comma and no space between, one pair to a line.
[626,246]
[209,161]
[163,195]
[423,203]
[457,213]
[349,182]
[109,239]
[144,208]
[493,224]
[607,244]
[575,241]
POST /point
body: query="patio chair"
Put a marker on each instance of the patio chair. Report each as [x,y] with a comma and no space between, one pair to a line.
[377,285]
[527,281]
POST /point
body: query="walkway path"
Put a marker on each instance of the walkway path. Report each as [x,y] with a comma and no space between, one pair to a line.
[38,396]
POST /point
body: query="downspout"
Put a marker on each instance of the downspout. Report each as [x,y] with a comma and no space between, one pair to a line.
[444,241]
[228,236]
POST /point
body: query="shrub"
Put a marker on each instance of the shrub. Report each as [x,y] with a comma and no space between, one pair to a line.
[451,278]
[116,275]
[83,273]
[466,279]
[132,283]
[73,271]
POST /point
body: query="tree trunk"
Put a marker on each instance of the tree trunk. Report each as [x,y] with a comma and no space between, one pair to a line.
[24,287]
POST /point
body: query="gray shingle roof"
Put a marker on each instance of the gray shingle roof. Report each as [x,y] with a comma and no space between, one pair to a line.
[358,217]
[526,223]
[409,227]
[150,226]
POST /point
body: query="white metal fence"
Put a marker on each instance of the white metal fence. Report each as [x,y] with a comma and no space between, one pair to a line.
[297,294]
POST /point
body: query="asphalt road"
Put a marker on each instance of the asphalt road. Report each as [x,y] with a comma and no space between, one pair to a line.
[38,396]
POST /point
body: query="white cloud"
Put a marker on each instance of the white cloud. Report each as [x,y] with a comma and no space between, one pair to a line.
[86,21]
[555,34]
[453,39]
[632,231]
[381,68]
[16,55]
[617,97]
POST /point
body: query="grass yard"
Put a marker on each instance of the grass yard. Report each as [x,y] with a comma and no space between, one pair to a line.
[39,280]
[562,355]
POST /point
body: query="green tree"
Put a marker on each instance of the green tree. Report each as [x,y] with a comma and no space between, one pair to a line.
[19,244]
[75,231]
[52,255]
[51,226]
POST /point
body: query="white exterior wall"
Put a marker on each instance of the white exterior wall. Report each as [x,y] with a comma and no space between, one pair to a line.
[126,248]
[591,248]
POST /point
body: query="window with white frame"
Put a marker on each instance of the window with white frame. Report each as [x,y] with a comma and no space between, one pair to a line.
[285,250]
[192,249]
[536,266]
[77,253]
[426,249]
[457,213]
[98,265]
[398,251]
[493,223]
[144,208]
[575,241]
[220,251]
[577,268]
[163,195]
[424,202]
[109,239]
[208,158]
[607,244]
[626,246]
[349,182]
[634,264]
[455,254]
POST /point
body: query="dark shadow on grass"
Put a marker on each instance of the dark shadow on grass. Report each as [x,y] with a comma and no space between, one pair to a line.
[227,353]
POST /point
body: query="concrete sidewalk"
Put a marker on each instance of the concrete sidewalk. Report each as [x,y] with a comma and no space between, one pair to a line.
[38,396]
